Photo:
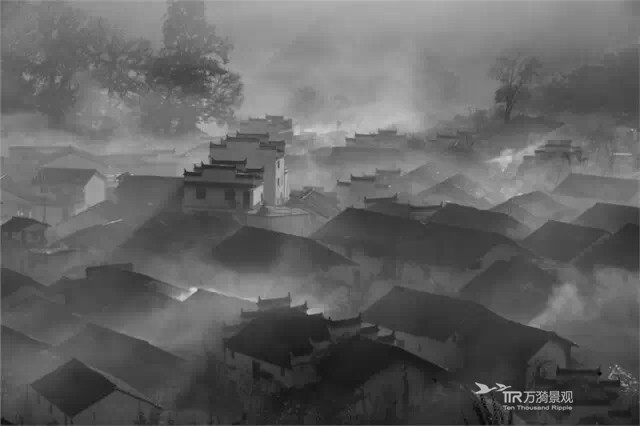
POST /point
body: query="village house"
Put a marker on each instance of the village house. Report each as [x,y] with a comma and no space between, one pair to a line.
[540,206]
[24,161]
[393,207]
[65,192]
[72,158]
[423,177]
[277,350]
[428,256]
[277,126]
[467,338]
[222,186]
[19,235]
[459,189]
[582,191]
[384,138]
[77,393]
[596,399]
[17,199]
[268,156]
[352,193]
[559,157]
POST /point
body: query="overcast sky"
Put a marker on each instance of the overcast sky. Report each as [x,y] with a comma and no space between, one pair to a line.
[369,51]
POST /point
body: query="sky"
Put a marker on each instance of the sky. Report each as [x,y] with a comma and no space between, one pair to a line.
[372,52]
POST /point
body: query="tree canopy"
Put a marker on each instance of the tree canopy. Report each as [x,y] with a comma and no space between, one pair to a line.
[515,72]
[48,47]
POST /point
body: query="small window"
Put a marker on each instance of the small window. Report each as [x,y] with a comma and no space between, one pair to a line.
[278,181]
[201,193]
[278,163]
[229,195]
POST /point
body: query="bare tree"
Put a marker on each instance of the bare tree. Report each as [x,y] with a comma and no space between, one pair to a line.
[514,72]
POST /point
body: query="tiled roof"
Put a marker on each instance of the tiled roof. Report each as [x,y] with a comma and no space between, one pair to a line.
[12,281]
[262,250]
[134,360]
[9,186]
[56,176]
[12,338]
[452,190]
[609,189]
[106,236]
[619,250]
[71,150]
[351,363]
[380,234]
[539,200]
[610,217]
[561,241]
[483,333]
[45,320]
[17,224]
[276,335]
[75,386]
[482,220]
[520,214]
[517,289]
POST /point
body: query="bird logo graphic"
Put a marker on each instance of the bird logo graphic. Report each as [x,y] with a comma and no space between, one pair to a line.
[484,389]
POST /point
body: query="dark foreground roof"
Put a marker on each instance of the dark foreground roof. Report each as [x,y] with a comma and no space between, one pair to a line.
[517,289]
[619,250]
[615,190]
[11,281]
[482,220]
[610,217]
[351,363]
[562,241]
[75,386]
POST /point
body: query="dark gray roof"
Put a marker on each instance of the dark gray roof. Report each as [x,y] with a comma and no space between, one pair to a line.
[17,224]
[562,241]
[75,386]
[616,190]
[12,281]
[619,250]
[483,220]
[610,217]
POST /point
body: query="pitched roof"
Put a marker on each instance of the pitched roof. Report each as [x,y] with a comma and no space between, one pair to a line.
[603,188]
[276,335]
[106,236]
[71,150]
[17,224]
[428,174]
[516,289]
[11,338]
[145,187]
[484,334]
[562,241]
[539,200]
[59,176]
[519,213]
[12,281]
[618,250]
[483,220]
[75,386]
[263,250]
[432,243]
[216,305]
[108,210]
[351,363]
[610,217]
[134,360]
[45,320]
[9,186]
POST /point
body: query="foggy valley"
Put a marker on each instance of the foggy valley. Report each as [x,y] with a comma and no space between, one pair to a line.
[320,212]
